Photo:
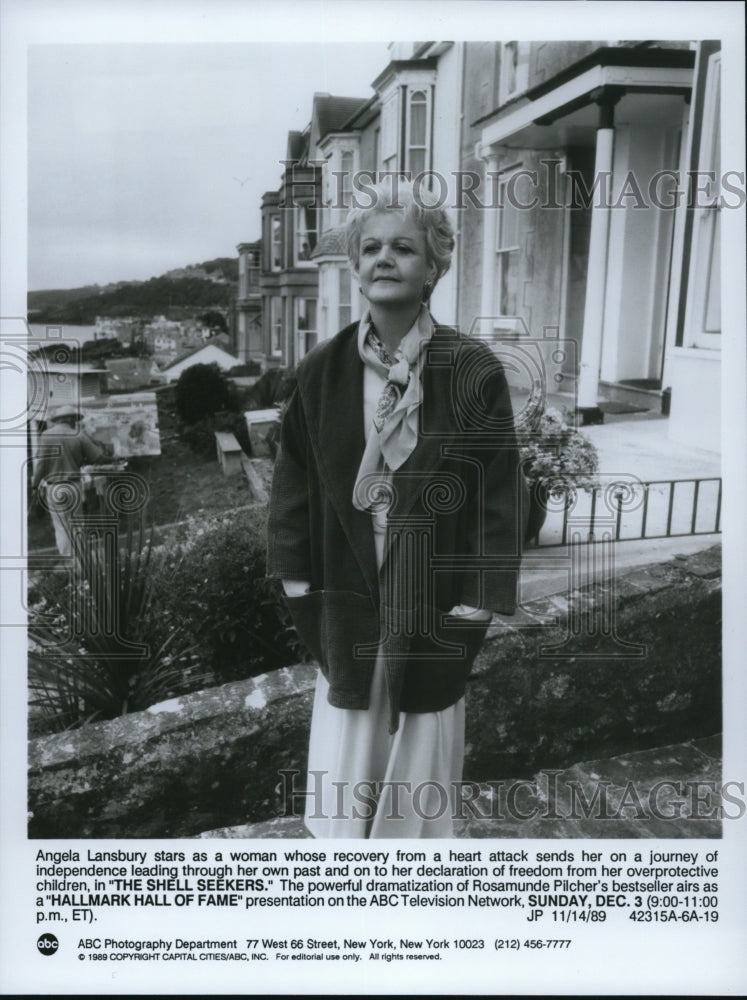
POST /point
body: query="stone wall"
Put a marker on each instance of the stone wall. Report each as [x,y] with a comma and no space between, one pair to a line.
[212,759]
[655,680]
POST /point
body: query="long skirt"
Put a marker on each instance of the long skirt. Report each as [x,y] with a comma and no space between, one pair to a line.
[367,783]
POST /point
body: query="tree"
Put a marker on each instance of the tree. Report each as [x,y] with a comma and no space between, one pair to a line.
[201,391]
[214,320]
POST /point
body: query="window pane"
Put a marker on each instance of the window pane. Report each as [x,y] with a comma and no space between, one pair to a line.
[389,129]
[508,216]
[509,283]
[305,232]
[417,161]
[276,326]
[275,249]
[417,119]
[306,332]
[344,277]
[511,55]
[712,319]
[344,312]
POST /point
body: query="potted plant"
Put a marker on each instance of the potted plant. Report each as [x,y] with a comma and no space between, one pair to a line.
[557,460]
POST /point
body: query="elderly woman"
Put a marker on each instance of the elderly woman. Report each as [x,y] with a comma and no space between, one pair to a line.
[395,529]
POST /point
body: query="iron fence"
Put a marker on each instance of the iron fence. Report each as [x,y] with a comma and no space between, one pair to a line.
[628,509]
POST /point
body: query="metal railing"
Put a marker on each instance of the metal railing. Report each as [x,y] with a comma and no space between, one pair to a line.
[629,510]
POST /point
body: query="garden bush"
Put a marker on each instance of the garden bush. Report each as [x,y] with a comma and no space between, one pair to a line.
[201,391]
[200,436]
[554,451]
[97,649]
[247,368]
[212,590]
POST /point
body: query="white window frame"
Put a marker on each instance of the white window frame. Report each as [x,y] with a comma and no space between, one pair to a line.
[276,227]
[514,80]
[301,231]
[390,132]
[252,272]
[276,326]
[705,260]
[344,297]
[347,179]
[301,336]
[412,91]
[508,321]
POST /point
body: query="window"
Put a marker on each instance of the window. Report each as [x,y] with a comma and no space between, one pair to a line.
[704,309]
[276,326]
[276,244]
[514,69]
[252,273]
[389,132]
[417,133]
[344,305]
[306,233]
[404,142]
[508,249]
[306,328]
[347,160]
[242,275]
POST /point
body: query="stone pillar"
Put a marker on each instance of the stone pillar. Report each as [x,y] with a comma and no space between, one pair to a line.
[490,228]
[596,277]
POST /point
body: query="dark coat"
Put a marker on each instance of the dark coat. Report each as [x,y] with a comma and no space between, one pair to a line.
[453,531]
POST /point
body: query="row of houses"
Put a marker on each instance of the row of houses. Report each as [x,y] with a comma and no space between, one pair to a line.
[166,339]
[584,183]
[52,384]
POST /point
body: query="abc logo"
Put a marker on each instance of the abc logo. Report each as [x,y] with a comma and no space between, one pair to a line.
[47,944]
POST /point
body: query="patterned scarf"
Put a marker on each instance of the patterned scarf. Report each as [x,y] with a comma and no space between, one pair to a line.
[395,431]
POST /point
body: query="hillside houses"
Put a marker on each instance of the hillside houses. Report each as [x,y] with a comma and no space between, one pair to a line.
[582,242]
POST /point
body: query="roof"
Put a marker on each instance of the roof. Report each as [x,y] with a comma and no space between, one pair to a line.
[363,115]
[297,145]
[125,365]
[334,241]
[196,350]
[69,369]
[332,113]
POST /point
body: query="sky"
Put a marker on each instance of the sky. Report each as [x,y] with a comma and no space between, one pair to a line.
[146,157]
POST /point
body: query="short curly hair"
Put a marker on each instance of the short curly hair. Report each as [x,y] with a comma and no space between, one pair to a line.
[412,202]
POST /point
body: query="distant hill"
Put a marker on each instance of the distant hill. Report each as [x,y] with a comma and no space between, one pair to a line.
[208,285]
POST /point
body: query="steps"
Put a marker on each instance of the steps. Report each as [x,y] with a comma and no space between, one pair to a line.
[635,396]
[649,793]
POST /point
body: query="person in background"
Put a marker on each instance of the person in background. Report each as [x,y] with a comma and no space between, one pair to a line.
[64,448]
[395,528]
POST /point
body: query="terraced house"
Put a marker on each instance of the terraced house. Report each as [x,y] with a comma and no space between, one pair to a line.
[584,183]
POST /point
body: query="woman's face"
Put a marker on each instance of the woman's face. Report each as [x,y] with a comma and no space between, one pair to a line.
[393,266]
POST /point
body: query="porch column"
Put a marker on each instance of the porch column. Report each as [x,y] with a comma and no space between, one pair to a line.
[490,228]
[596,275]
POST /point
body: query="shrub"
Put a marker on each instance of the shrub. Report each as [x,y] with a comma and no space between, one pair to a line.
[555,453]
[201,391]
[96,648]
[200,436]
[557,460]
[271,389]
[246,368]
[212,587]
